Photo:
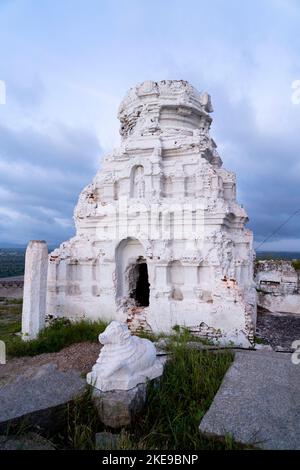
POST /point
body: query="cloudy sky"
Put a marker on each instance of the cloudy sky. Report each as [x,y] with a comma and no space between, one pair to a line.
[68,63]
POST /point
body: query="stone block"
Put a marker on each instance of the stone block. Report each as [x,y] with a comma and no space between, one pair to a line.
[118,408]
[106,441]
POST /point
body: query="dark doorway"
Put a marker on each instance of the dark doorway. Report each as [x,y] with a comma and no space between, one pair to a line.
[141,291]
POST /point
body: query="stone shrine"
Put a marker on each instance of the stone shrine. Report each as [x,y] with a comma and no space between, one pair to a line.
[160,238]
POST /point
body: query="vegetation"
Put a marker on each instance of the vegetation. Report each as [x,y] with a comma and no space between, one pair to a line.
[174,409]
[60,334]
[181,335]
[12,262]
[10,318]
[175,404]
[258,340]
[296,264]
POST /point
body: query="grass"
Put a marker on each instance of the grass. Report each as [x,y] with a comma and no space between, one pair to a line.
[175,405]
[258,340]
[60,334]
[174,409]
[10,318]
[82,423]
[181,335]
[296,264]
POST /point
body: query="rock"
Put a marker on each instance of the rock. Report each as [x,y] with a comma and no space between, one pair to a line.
[106,441]
[263,347]
[30,441]
[124,361]
[161,346]
[118,408]
[283,349]
[258,402]
[40,395]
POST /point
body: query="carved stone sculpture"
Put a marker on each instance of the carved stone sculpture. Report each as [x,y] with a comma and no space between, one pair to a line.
[124,361]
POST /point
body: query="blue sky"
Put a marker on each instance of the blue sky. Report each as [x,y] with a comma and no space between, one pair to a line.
[67,64]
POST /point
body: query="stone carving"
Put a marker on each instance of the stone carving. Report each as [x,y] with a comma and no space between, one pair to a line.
[138,182]
[124,361]
[168,169]
[87,203]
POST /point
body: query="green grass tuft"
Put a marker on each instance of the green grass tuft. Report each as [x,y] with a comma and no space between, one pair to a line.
[175,405]
[60,334]
[296,264]
[174,408]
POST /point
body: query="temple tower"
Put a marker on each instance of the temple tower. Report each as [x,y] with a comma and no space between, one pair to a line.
[160,238]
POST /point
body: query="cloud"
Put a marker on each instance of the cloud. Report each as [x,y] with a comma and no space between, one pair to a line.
[256,128]
[74,73]
[41,175]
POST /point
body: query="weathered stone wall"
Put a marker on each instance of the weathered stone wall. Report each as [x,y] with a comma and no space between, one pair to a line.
[278,286]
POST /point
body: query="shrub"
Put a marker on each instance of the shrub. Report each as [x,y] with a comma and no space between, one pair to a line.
[296,264]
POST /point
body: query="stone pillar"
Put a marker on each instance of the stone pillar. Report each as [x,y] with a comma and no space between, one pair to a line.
[35,288]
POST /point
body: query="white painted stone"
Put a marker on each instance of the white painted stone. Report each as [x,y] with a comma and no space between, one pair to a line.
[35,289]
[278,285]
[164,201]
[124,361]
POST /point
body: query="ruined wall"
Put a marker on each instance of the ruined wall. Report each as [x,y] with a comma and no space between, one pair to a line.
[278,286]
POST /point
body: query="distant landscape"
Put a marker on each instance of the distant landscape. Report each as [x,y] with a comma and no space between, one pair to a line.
[292,255]
[12,260]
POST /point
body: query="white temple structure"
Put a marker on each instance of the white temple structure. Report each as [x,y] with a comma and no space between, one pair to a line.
[160,238]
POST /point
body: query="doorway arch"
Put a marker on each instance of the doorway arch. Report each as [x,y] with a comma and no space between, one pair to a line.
[133,288]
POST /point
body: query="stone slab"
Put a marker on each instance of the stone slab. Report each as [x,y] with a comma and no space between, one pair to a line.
[30,441]
[258,402]
[38,393]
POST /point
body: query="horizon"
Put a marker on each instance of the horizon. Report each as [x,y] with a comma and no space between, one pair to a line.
[54,246]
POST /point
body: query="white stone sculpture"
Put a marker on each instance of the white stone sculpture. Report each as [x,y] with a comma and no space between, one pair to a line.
[124,361]
[162,199]
[35,289]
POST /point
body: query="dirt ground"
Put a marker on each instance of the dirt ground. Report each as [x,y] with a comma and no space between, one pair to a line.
[79,356]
